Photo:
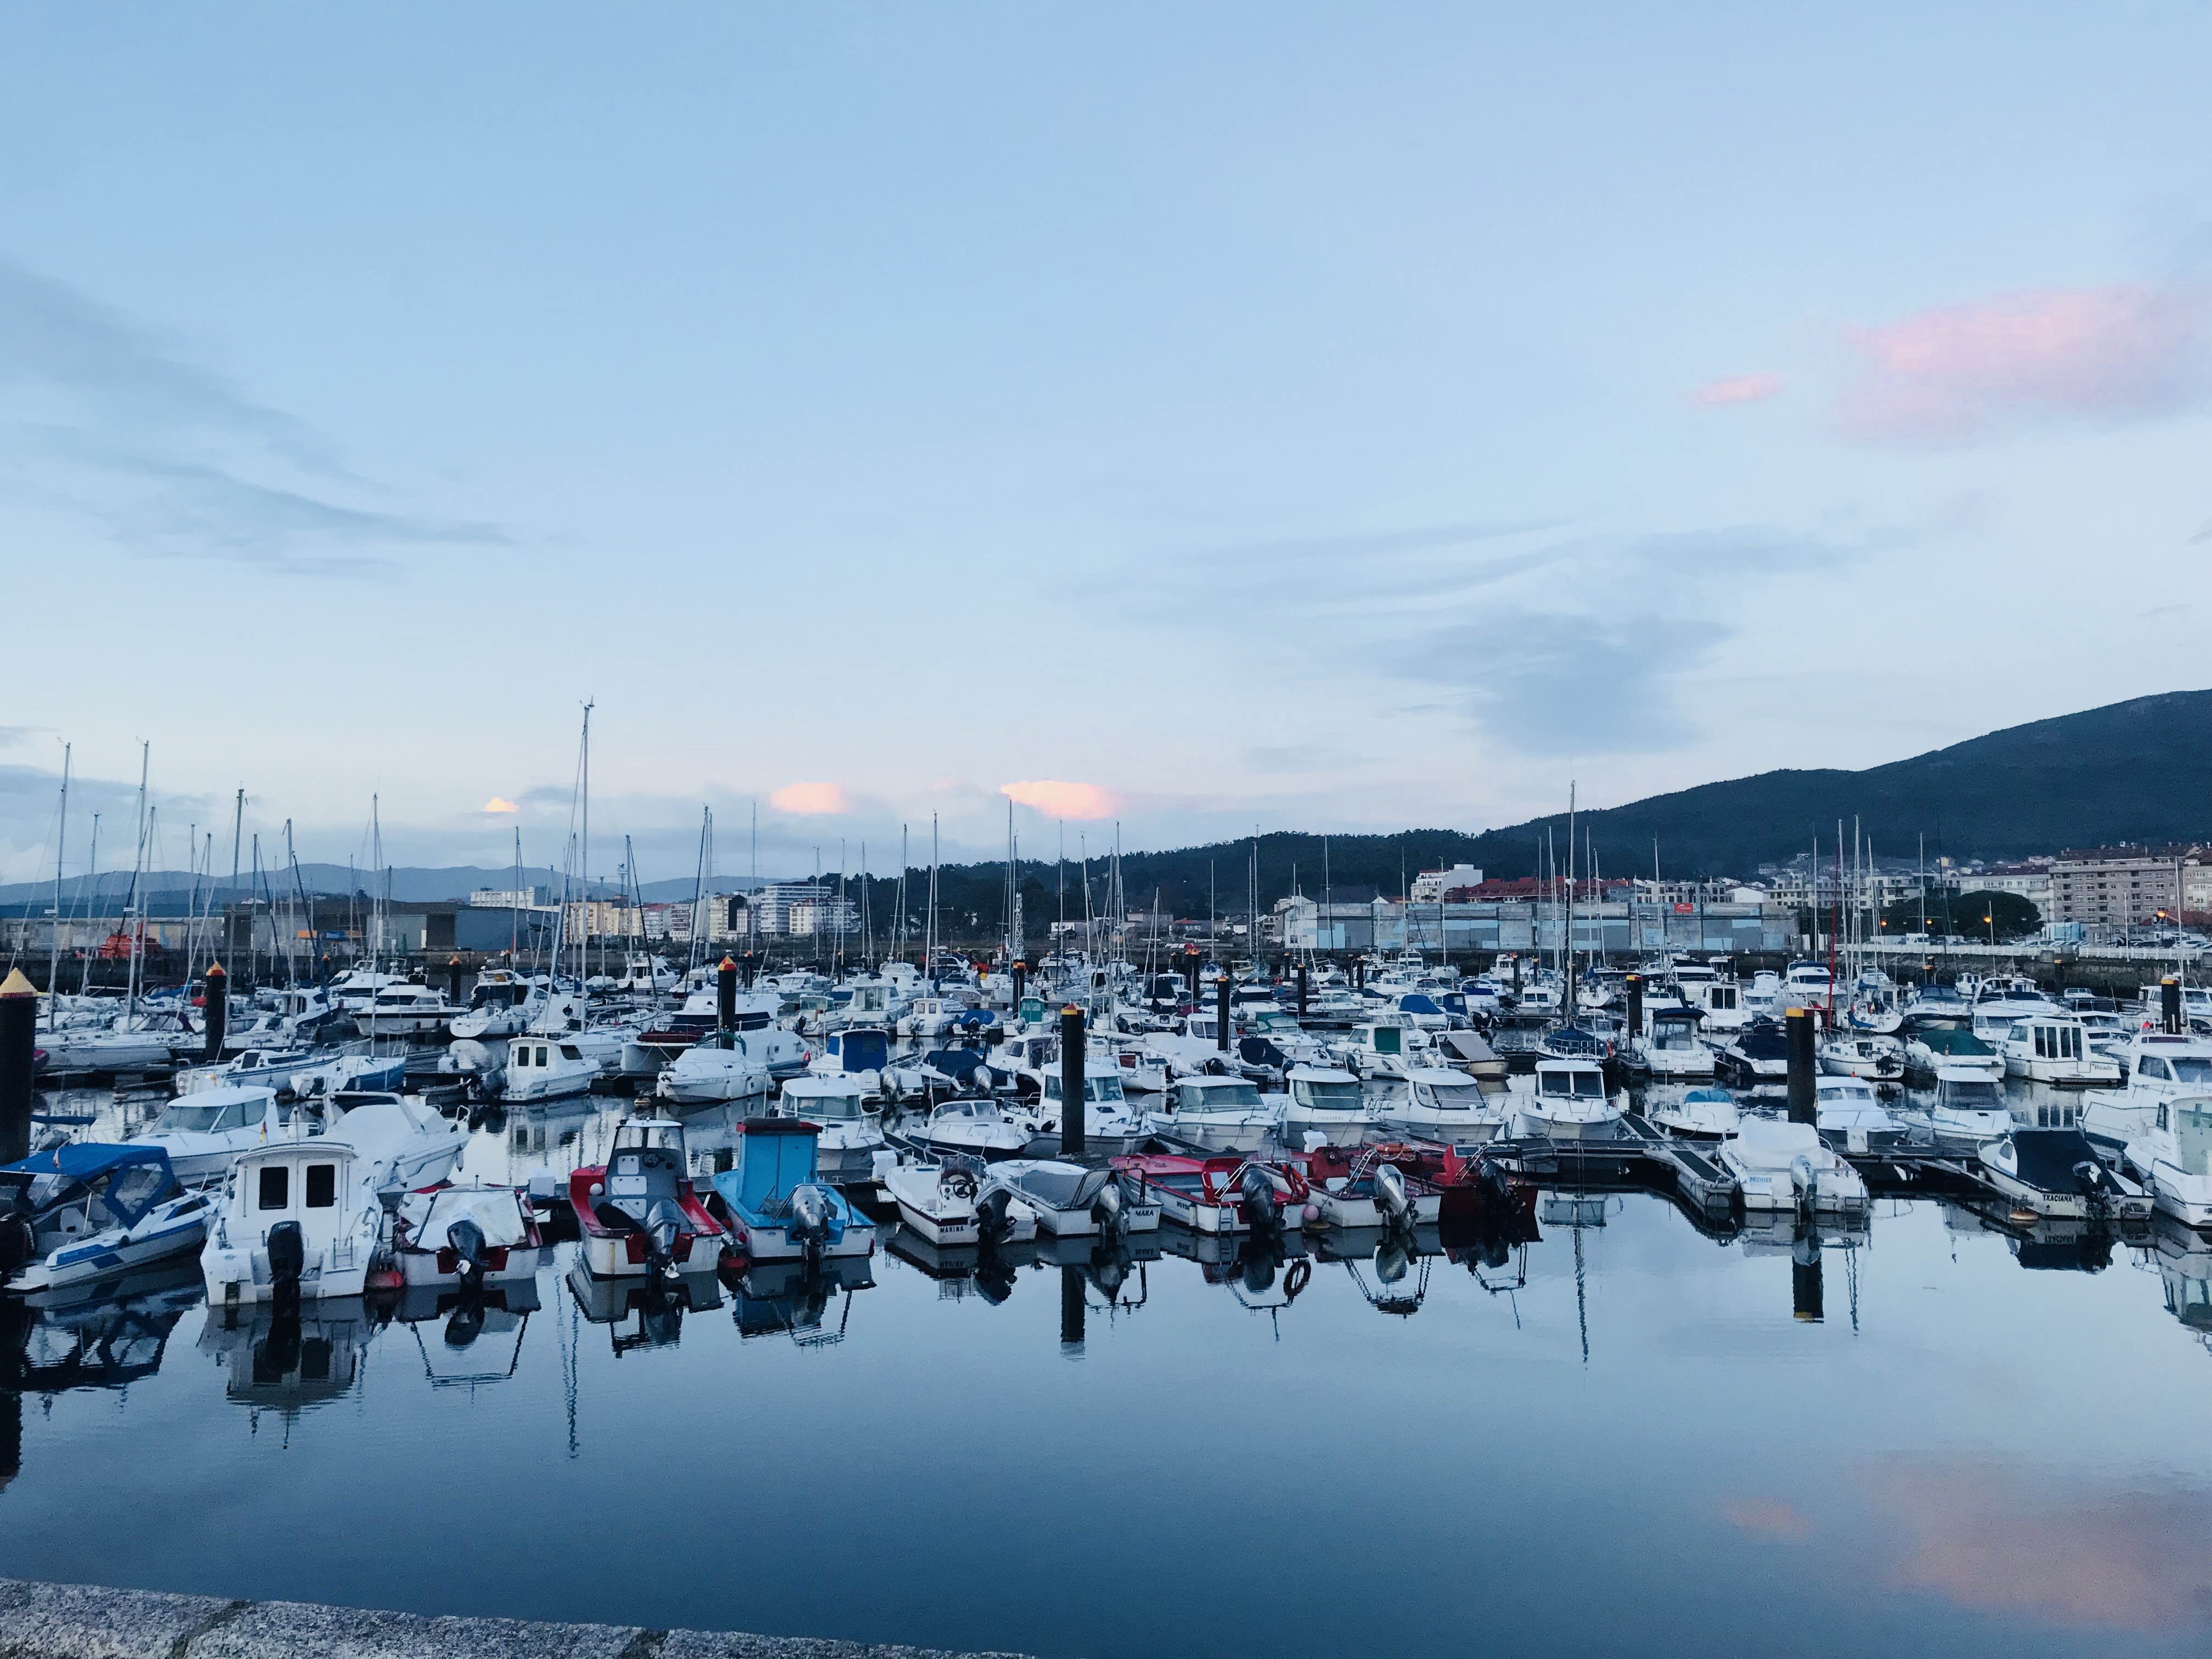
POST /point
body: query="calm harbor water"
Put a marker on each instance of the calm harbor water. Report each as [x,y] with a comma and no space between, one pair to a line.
[1624,1437]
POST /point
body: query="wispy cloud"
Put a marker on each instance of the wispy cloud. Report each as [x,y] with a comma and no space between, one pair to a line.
[1738,389]
[1057,798]
[113,422]
[811,799]
[1947,376]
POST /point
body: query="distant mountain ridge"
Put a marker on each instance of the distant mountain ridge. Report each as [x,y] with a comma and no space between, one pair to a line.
[2137,771]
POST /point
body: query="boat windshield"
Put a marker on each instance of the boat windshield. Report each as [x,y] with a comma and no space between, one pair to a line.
[1672,1034]
[1981,1094]
[2192,1138]
[1311,1093]
[185,1117]
[1194,1097]
[1103,1088]
[1456,1095]
[2192,1068]
[835,1106]
[1589,1086]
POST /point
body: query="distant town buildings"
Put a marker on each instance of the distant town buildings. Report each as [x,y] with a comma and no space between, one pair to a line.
[1431,886]
[2118,886]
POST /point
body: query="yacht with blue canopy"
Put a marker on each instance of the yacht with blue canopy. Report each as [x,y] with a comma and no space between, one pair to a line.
[85,1213]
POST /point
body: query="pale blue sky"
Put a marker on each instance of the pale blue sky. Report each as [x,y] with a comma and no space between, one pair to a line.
[1312,417]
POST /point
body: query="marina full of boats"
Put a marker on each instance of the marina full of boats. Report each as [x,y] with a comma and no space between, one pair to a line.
[981,1104]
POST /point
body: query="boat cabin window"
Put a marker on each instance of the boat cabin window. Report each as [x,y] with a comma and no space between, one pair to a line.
[130,1190]
[321,1187]
[1343,1095]
[2153,1069]
[2058,1042]
[1589,1085]
[1719,998]
[1194,1097]
[1468,1094]
[1389,1040]
[2192,1068]
[1980,1093]
[274,1187]
[570,1051]
[184,1119]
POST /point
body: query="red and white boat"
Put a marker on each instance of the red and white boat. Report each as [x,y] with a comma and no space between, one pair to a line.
[1222,1194]
[1374,1186]
[636,1214]
[465,1236]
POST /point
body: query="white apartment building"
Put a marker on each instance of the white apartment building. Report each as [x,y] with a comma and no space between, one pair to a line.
[1430,885]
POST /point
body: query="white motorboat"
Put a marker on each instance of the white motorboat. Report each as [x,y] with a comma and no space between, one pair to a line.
[1862,1054]
[1928,1045]
[1221,1114]
[708,1074]
[305,1217]
[274,1068]
[1434,1102]
[637,1215]
[202,1133]
[851,1127]
[972,1128]
[1756,1054]
[466,1236]
[500,1008]
[2161,1067]
[1787,1166]
[1698,1113]
[1670,1047]
[85,1214]
[547,1068]
[1326,1101]
[1073,1201]
[938,1198]
[1968,1106]
[1386,1047]
[1805,985]
[418,1145]
[405,1010]
[1719,1004]
[129,1045]
[2052,1047]
[1109,1127]
[1850,1115]
[2174,1158]
[1566,1100]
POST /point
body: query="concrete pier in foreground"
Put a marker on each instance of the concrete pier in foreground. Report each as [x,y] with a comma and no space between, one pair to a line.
[84,1621]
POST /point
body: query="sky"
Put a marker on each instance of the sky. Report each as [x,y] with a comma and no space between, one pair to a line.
[1185,418]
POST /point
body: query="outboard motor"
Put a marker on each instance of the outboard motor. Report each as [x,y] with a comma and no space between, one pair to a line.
[810,1220]
[288,1260]
[992,1223]
[1257,1203]
[1806,1181]
[16,1243]
[466,1240]
[1109,1211]
[466,1323]
[1392,1258]
[1390,1196]
[663,1225]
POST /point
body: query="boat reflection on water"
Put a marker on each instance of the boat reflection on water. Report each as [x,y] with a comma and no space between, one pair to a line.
[2184,1258]
[1248,1264]
[1388,1255]
[109,1344]
[291,1356]
[1803,1239]
[484,1327]
[656,1305]
[787,1298]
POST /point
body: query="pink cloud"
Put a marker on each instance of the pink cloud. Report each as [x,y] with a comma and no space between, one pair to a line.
[499,803]
[1056,799]
[1739,389]
[811,799]
[1949,375]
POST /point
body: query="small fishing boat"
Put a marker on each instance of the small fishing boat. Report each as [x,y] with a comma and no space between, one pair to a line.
[404,1011]
[1222,1114]
[2173,1157]
[776,1204]
[636,1214]
[90,1213]
[1222,1194]
[304,1218]
[1378,1186]
[1850,1116]
[1700,1114]
[1927,1047]
[1433,1103]
[1758,1054]
[1856,1054]
[938,1198]
[465,1236]
[1326,1100]
[548,1068]
[1670,1049]
[1567,1100]
[2057,1173]
[1071,1201]
[970,1129]
[709,1074]
[2161,1067]
[1788,1166]
[2053,1047]
[1968,1106]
